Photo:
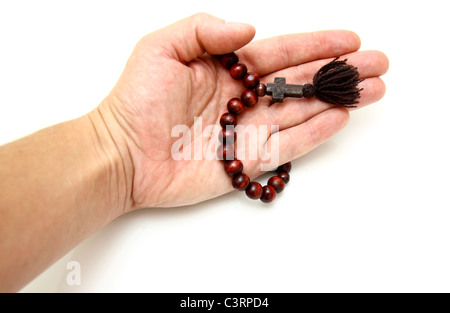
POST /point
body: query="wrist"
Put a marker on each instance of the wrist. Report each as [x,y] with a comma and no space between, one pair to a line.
[114,159]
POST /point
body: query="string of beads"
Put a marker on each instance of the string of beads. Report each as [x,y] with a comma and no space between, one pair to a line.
[227,136]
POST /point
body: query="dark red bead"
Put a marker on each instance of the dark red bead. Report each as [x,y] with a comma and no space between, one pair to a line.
[251,80]
[241,181]
[227,135]
[268,194]
[225,152]
[261,90]
[235,106]
[285,177]
[286,167]
[233,167]
[228,60]
[228,119]
[277,183]
[254,190]
[238,71]
[249,98]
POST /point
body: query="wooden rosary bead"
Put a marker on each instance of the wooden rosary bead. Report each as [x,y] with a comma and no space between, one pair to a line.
[241,181]
[235,106]
[225,152]
[268,194]
[238,71]
[254,190]
[277,183]
[251,80]
[227,135]
[249,98]
[261,90]
[228,119]
[233,167]
[228,60]
[286,167]
[284,176]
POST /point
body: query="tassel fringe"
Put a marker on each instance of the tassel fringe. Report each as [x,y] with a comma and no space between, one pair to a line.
[336,83]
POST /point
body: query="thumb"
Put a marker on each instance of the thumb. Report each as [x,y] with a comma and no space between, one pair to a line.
[191,37]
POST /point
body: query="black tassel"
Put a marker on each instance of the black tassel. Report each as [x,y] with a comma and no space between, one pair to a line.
[335,83]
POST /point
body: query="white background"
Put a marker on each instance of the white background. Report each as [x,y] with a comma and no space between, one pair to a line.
[368,211]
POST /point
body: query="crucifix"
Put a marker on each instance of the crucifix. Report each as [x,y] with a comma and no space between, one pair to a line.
[279,90]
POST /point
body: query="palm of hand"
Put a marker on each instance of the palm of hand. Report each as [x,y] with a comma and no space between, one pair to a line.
[174,96]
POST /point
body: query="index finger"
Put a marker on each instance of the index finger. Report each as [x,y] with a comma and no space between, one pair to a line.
[277,53]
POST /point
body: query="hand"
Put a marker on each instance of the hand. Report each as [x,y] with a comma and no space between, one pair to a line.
[169,80]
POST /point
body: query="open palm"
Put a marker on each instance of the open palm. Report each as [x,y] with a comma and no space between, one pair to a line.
[169,80]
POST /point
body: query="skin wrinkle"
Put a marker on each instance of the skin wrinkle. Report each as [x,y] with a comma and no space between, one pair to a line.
[300,75]
[113,163]
[196,76]
[311,133]
[128,190]
[124,125]
[198,38]
[206,109]
[188,108]
[243,57]
[129,130]
[165,188]
[169,53]
[284,52]
[134,201]
[106,165]
[211,137]
[317,41]
[218,92]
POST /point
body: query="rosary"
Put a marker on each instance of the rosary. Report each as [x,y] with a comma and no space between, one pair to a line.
[335,83]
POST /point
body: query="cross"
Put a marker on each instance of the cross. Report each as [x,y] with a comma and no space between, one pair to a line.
[279,90]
